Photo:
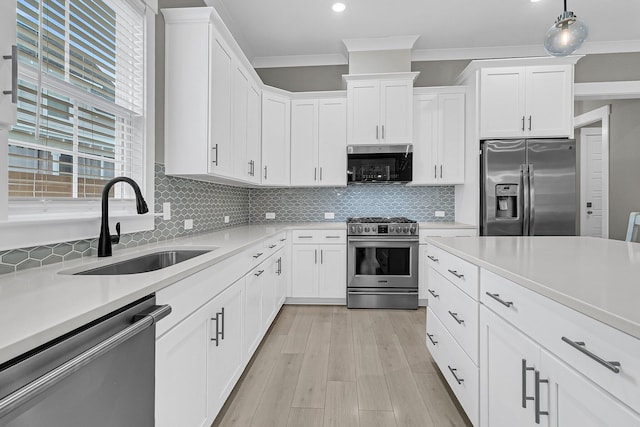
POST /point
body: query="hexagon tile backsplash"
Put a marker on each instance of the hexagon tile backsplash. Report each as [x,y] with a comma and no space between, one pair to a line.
[207,204]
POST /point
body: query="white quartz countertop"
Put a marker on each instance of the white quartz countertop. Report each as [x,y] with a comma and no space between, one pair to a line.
[597,277]
[40,304]
[437,225]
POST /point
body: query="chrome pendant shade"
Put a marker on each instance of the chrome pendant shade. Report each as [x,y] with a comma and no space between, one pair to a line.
[566,35]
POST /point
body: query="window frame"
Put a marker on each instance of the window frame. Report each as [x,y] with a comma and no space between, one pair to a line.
[26,223]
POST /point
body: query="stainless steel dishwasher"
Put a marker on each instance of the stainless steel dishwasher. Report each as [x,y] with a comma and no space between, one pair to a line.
[102,374]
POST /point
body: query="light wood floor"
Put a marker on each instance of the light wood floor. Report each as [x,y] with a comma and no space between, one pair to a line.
[330,366]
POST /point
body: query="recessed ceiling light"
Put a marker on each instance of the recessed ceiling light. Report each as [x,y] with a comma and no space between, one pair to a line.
[338,7]
[535,1]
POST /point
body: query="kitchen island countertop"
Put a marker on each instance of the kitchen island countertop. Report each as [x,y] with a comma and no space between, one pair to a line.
[597,277]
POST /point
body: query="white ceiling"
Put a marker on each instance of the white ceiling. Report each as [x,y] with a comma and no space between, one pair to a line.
[308,32]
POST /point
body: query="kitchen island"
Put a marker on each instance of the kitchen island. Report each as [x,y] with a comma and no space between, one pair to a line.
[531,330]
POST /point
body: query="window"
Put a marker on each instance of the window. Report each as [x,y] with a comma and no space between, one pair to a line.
[80,101]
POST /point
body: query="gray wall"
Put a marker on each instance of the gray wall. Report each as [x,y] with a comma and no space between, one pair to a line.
[608,67]
[624,160]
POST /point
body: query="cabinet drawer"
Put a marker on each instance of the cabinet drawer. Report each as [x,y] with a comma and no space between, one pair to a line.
[319,236]
[460,372]
[275,242]
[460,272]
[456,310]
[547,322]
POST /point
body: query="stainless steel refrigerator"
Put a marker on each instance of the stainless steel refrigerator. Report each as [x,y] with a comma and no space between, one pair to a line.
[528,187]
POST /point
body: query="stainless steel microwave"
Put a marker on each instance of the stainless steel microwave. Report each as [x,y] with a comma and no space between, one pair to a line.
[379,163]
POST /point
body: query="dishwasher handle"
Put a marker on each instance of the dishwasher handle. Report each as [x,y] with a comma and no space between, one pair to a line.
[51,378]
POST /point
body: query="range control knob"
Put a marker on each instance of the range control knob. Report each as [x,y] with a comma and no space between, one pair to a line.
[391,229]
[366,229]
[413,229]
[405,229]
[353,228]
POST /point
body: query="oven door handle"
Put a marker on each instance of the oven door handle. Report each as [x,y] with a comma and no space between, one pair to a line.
[384,240]
[46,381]
[383,293]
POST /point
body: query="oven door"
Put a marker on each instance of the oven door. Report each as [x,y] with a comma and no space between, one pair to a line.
[375,262]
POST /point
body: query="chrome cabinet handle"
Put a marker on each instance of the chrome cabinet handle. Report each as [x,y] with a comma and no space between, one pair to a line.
[253,168]
[581,347]
[316,256]
[259,273]
[377,137]
[529,122]
[453,372]
[320,173]
[522,123]
[250,168]
[305,237]
[258,255]
[14,74]
[216,333]
[315,174]
[500,300]
[265,172]
[433,293]
[279,269]
[331,237]
[432,258]
[455,317]
[455,273]
[435,171]
[321,256]
[525,368]
[382,131]
[221,333]
[537,410]
[430,336]
[282,240]
[440,171]
[272,246]
[53,377]
[216,149]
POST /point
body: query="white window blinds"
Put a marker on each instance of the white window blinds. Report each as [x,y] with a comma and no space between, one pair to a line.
[80,98]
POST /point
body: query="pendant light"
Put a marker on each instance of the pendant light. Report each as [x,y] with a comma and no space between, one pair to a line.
[566,35]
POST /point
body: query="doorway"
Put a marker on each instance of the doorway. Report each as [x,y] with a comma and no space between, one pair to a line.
[593,204]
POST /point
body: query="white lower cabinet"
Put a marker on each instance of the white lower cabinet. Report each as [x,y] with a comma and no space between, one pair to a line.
[319,271]
[225,358]
[181,366]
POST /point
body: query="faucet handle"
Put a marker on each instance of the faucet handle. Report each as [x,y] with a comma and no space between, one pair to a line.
[116,239]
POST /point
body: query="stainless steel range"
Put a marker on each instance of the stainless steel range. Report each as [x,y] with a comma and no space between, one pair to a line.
[382,263]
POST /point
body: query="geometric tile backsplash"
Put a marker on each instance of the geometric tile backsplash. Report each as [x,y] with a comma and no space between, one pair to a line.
[310,204]
[207,204]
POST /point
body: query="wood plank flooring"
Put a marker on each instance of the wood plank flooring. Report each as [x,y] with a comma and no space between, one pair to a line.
[322,366]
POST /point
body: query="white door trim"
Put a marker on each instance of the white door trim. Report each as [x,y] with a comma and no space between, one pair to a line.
[598,115]
[584,178]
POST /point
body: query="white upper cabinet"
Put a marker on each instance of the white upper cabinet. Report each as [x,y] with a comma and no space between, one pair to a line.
[379,110]
[318,142]
[276,119]
[253,159]
[8,66]
[531,101]
[439,136]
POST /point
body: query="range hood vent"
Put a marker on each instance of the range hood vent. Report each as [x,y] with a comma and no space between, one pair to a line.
[379,149]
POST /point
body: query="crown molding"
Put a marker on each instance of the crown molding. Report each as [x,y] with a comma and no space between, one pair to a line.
[606,90]
[299,60]
[380,43]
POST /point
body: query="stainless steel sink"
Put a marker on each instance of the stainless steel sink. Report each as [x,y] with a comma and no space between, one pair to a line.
[145,263]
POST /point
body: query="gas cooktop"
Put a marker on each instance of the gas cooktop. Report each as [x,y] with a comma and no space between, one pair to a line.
[380,226]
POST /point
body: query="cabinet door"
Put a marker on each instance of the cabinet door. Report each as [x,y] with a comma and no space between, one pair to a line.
[425,143]
[275,139]
[332,142]
[363,112]
[222,71]
[451,135]
[282,279]
[576,401]
[396,107]
[254,133]
[549,101]
[7,39]
[181,364]
[304,267]
[240,122]
[423,266]
[502,101]
[253,311]
[269,292]
[332,278]
[225,355]
[304,142]
[506,373]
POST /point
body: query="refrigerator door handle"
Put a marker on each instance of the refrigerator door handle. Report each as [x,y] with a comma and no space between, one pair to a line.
[524,178]
[532,202]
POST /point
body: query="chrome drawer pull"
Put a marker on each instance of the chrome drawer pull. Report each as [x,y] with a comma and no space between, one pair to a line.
[453,372]
[525,368]
[500,300]
[455,316]
[537,411]
[258,255]
[432,258]
[430,336]
[332,237]
[580,346]
[455,273]
[258,273]
[272,246]
[433,293]
[305,237]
